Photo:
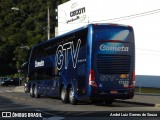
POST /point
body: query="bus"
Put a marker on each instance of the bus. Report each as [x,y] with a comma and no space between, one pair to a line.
[95,62]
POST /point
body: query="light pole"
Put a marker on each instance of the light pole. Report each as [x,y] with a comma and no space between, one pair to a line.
[48,22]
[15,8]
[24,47]
[24,65]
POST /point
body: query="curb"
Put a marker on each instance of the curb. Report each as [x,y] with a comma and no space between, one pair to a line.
[157,105]
[138,103]
[148,94]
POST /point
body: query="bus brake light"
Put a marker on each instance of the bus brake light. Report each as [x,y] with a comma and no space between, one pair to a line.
[92,81]
[133,80]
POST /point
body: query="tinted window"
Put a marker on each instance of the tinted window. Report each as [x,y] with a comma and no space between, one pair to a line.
[109,32]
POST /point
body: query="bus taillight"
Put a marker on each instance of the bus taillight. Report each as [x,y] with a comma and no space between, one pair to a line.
[133,80]
[92,80]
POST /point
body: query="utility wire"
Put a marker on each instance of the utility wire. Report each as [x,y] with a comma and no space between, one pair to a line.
[119,18]
[122,18]
[149,54]
[126,18]
[132,16]
[148,50]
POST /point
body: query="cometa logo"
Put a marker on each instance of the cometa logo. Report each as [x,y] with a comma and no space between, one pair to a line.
[103,47]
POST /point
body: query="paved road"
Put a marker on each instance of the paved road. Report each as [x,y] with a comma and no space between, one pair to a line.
[145,99]
[10,100]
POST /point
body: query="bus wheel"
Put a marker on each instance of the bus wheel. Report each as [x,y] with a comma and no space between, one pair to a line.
[25,89]
[36,94]
[72,98]
[64,95]
[31,92]
[109,102]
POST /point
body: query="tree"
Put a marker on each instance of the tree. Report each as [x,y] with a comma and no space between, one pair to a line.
[24,27]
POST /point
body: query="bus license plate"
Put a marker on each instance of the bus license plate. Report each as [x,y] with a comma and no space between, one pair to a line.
[114,92]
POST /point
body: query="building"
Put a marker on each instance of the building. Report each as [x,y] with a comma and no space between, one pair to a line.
[144,16]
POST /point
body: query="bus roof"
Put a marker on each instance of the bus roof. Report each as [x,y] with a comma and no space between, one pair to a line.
[81,28]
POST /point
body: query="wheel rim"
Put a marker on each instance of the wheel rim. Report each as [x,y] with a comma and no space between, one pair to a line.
[63,94]
[31,91]
[71,96]
[35,91]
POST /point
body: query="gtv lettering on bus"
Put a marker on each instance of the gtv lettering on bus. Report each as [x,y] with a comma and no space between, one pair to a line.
[62,54]
[113,48]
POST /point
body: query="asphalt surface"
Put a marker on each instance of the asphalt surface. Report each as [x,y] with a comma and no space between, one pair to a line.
[143,99]
[139,99]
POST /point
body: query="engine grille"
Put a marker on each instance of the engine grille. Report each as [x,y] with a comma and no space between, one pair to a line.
[113,64]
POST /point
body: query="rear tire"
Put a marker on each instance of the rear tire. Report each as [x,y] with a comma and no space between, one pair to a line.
[72,98]
[64,95]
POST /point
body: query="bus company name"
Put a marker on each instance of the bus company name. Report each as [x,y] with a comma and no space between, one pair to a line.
[103,47]
[76,15]
[39,64]
[77,12]
[62,54]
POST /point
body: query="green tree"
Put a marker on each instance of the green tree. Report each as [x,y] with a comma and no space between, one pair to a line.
[24,27]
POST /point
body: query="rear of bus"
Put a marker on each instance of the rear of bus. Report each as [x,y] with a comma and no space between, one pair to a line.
[112,73]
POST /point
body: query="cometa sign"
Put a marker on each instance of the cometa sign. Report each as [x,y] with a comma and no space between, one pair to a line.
[77,12]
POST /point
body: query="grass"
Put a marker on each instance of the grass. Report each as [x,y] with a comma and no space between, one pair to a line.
[147,90]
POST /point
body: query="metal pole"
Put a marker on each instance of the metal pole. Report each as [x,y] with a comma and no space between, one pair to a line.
[48,30]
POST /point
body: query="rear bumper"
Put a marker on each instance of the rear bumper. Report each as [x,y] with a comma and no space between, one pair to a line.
[104,95]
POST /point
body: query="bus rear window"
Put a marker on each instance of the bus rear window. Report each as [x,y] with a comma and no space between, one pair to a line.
[113,34]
